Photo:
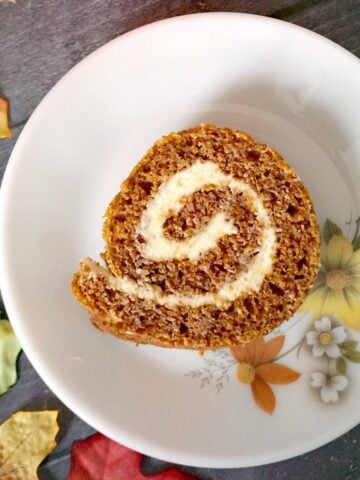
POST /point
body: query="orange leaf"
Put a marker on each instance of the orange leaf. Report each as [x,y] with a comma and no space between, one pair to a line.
[276,373]
[272,348]
[263,395]
[5,131]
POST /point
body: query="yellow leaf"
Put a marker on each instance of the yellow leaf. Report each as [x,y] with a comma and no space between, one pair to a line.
[5,131]
[26,438]
[9,351]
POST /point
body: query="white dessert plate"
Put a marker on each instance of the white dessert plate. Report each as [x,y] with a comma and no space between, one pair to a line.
[291,89]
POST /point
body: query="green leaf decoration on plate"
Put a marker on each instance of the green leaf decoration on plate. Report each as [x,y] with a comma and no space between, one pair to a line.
[9,351]
[330,229]
[349,345]
[353,356]
[356,239]
[341,366]
[356,244]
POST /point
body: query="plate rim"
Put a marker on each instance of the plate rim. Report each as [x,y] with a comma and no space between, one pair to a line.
[134,440]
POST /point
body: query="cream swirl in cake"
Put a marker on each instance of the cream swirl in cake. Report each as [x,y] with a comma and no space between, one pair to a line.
[158,247]
[211,241]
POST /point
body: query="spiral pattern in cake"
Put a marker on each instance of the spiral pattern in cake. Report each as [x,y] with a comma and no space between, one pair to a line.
[211,242]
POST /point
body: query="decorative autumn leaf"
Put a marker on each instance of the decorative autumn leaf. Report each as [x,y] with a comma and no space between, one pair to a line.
[263,395]
[9,351]
[5,131]
[277,373]
[26,438]
[99,458]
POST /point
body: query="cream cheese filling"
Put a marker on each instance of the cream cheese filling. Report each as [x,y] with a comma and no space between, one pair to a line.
[157,247]
[168,201]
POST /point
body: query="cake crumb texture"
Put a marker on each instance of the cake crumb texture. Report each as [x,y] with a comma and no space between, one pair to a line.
[253,313]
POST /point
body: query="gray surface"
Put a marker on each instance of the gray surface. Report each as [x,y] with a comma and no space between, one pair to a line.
[40,40]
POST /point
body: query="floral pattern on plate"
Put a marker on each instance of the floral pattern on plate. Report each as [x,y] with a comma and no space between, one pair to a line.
[256,367]
[336,290]
[333,304]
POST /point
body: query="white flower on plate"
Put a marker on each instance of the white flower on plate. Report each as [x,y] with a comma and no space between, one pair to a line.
[329,386]
[325,339]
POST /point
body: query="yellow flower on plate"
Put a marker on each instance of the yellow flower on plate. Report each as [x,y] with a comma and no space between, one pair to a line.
[336,291]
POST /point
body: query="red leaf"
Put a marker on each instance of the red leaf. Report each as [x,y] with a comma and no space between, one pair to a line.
[99,458]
